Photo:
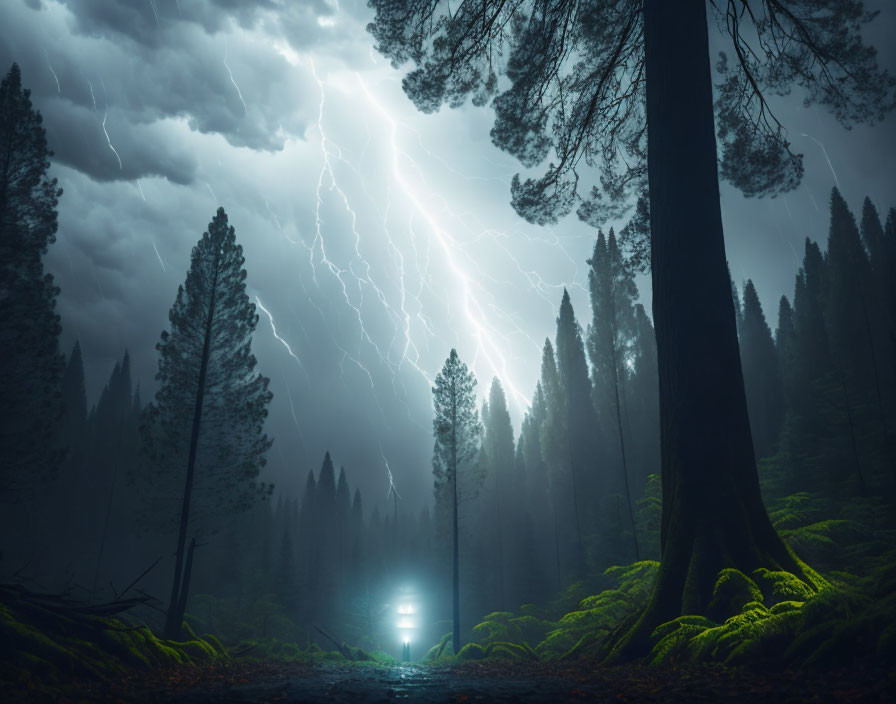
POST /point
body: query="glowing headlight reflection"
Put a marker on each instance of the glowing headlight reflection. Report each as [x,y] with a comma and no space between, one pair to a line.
[406,619]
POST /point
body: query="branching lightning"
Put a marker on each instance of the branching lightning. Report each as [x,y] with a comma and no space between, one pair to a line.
[825,152]
[392,490]
[276,336]
[159,256]
[238,91]
[109,141]
[92,96]
[55,77]
[487,343]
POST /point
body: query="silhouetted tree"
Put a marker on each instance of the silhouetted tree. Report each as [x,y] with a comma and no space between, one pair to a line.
[554,449]
[579,419]
[205,423]
[610,337]
[32,368]
[645,401]
[456,429]
[498,454]
[762,377]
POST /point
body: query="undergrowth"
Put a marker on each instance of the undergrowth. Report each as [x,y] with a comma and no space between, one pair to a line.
[768,617]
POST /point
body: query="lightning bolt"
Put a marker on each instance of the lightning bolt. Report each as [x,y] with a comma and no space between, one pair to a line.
[392,490]
[319,242]
[55,77]
[276,336]
[109,141]
[825,152]
[486,343]
[92,96]
[437,240]
[159,256]
[238,91]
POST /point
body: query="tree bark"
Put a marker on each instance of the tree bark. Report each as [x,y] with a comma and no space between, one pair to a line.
[172,622]
[184,591]
[455,582]
[713,516]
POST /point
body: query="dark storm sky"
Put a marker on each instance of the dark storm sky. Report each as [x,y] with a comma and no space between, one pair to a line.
[376,237]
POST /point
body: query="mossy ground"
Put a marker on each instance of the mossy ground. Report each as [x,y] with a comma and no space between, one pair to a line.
[43,649]
[768,618]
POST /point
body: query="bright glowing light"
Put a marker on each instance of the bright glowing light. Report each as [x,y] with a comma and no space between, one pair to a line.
[406,623]
[406,609]
[487,343]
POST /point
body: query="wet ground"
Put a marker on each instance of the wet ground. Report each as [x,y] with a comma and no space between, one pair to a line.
[503,682]
[402,683]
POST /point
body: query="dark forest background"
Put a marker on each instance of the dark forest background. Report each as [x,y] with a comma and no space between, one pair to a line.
[544,509]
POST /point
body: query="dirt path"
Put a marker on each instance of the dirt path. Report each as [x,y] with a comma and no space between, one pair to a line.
[254,683]
[404,683]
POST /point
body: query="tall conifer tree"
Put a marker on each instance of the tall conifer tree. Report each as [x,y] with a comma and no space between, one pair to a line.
[762,376]
[457,430]
[578,414]
[610,337]
[497,445]
[205,424]
[32,368]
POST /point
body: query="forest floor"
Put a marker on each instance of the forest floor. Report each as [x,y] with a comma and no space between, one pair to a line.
[489,681]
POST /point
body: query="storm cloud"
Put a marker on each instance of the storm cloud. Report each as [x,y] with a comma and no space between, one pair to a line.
[377,238]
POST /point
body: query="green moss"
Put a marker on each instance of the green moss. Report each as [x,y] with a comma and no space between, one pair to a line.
[509,651]
[471,651]
[777,586]
[442,649]
[733,589]
[59,646]
[382,657]
[359,655]
[783,607]
[213,641]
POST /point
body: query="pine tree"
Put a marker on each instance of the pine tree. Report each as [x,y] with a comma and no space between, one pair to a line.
[341,514]
[30,402]
[325,494]
[610,338]
[555,454]
[74,397]
[309,549]
[497,445]
[738,308]
[456,429]
[115,441]
[785,347]
[539,497]
[645,401]
[848,316]
[324,539]
[880,293]
[205,424]
[762,376]
[821,405]
[854,340]
[578,412]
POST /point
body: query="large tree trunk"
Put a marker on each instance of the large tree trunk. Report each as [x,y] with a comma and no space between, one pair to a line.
[713,515]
